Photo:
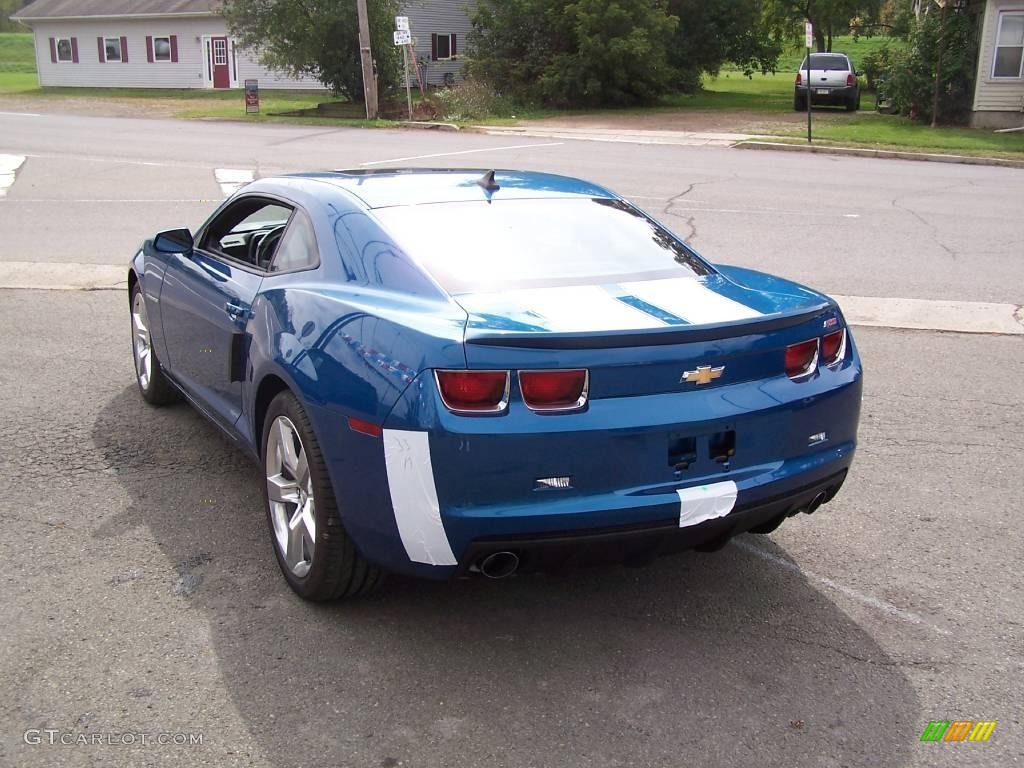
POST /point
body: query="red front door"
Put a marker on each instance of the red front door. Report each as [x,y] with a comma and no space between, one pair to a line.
[221,72]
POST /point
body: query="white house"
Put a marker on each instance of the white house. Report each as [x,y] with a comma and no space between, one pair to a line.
[186,44]
[999,86]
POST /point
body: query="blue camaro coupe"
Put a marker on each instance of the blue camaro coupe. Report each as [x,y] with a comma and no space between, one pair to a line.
[445,372]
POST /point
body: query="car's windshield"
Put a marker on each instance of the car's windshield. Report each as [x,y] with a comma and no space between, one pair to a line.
[826,61]
[479,246]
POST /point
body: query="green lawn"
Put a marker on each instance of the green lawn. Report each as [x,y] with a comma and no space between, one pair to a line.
[17,53]
[876,131]
[855,49]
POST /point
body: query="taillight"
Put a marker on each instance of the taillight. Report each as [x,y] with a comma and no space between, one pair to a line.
[801,358]
[833,347]
[799,78]
[851,80]
[473,391]
[554,390]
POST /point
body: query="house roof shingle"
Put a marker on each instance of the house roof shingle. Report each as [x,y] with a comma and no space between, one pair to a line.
[79,9]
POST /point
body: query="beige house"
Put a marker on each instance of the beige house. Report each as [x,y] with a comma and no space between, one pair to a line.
[999,86]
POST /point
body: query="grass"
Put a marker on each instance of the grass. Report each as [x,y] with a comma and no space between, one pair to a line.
[17,53]
[856,49]
[874,131]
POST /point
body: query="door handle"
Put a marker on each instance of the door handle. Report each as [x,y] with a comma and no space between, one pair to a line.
[235,311]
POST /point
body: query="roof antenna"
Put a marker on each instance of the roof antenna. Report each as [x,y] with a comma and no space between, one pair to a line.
[488,183]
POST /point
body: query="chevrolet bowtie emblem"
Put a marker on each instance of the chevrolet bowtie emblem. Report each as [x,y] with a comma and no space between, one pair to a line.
[704,374]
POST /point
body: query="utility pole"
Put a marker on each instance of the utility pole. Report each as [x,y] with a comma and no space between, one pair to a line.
[366,56]
[938,61]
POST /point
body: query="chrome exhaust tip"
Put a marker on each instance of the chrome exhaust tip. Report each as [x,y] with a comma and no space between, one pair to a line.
[499,565]
[817,502]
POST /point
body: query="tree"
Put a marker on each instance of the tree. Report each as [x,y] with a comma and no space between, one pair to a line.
[574,52]
[712,32]
[7,7]
[829,17]
[319,38]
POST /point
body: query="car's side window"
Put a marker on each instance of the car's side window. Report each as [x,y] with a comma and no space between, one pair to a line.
[248,230]
[297,249]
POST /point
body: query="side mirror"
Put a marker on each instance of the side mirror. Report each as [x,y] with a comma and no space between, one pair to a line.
[174,241]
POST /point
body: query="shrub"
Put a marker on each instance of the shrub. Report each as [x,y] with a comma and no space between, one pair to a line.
[472,99]
[572,53]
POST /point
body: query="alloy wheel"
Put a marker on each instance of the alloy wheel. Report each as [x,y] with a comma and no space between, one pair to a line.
[290,494]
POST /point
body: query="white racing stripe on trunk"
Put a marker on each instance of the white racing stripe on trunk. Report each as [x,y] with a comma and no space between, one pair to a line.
[691,300]
[571,309]
[414,497]
[705,502]
[232,179]
[9,165]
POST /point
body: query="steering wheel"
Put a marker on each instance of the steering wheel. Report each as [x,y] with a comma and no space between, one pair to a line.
[261,246]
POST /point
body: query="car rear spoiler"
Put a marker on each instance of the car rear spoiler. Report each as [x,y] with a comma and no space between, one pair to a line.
[647,337]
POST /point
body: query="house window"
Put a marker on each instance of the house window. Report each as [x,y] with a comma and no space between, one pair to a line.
[112,48]
[443,47]
[162,48]
[220,52]
[1009,58]
[65,49]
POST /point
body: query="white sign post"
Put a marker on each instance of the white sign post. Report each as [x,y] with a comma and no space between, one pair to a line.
[809,34]
[403,37]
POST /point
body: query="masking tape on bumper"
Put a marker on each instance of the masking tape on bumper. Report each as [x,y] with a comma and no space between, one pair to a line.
[705,502]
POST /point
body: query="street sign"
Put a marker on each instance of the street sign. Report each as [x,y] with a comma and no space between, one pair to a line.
[403,37]
[809,33]
[402,23]
[252,96]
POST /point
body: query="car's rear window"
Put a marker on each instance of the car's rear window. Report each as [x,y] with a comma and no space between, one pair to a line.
[480,246]
[826,61]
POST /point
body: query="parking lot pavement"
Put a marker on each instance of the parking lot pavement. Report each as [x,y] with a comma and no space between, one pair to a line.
[142,596]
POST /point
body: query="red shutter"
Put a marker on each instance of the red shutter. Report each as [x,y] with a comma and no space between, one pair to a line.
[453,47]
[174,48]
[149,48]
[100,50]
[53,50]
[74,50]
[124,50]
[433,46]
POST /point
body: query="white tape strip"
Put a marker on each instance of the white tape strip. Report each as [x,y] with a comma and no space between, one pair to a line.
[9,165]
[563,310]
[705,502]
[414,497]
[232,179]
[691,300]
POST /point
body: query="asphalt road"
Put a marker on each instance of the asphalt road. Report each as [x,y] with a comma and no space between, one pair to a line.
[140,592]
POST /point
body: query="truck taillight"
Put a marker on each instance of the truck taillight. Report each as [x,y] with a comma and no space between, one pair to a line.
[801,359]
[473,392]
[851,80]
[833,347]
[554,390]
[799,78]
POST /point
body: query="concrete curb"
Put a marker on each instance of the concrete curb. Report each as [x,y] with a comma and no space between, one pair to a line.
[880,153]
[428,126]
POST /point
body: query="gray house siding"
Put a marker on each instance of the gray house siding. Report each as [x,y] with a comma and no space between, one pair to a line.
[998,102]
[439,17]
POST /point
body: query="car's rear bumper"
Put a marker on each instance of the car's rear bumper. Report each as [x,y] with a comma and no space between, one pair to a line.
[639,544]
[829,94]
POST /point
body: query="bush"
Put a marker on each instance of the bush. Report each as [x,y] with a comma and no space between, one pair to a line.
[574,53]
[877,65]
[472,99]
[910,73]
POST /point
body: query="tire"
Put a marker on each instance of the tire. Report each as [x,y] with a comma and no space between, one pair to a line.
[154,386]
[799,105]
[853,103]
[319,562]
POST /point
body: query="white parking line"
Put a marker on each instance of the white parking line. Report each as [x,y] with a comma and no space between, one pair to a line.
[232,179]
[868,600]
[463,152]
[9,165]
[19,114]
[62,276]
[933,314]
